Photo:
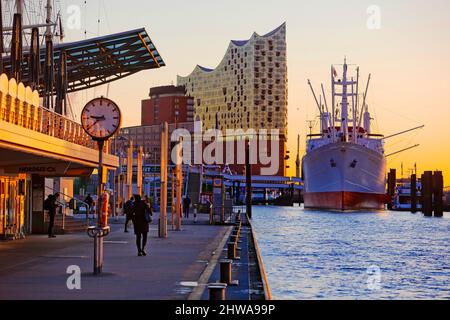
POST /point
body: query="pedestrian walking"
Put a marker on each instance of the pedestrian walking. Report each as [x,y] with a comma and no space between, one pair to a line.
[142,216]
[128,209]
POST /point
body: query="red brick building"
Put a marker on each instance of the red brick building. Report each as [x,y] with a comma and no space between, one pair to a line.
[167,104]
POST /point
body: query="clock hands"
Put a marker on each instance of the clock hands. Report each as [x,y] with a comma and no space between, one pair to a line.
[97,120]
[100,118]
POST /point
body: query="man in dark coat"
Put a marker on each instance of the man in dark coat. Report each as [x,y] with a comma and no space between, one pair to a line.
[89,201]
[140,214]
[186,206]
[53,206]
[128,210]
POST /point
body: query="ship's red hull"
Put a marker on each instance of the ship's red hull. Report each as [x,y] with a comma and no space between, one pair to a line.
[345,200]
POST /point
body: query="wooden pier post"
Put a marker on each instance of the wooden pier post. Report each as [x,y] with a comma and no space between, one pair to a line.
[248,180]
[392,182]
[427,193]
[179,182]
[163,177]
[129,180]
[438,194]
[414,193]
[139,178]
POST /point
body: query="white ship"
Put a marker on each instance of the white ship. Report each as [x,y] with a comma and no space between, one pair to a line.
[345,164]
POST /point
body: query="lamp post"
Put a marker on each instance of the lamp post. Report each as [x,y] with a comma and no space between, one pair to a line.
[121,197]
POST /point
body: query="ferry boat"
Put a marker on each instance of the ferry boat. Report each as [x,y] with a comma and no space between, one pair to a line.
[344,167]
[402,197]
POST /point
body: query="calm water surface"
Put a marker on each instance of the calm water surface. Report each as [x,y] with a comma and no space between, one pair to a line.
[386,255]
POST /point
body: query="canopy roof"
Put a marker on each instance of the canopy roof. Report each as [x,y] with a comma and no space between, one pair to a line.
[97,61]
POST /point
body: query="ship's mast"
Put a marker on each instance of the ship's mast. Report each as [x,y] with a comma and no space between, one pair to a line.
[19,7]
[333,105]
[355,130]
[48,21]
[344,103]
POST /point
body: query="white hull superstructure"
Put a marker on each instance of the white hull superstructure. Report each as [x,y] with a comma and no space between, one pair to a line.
[344,169]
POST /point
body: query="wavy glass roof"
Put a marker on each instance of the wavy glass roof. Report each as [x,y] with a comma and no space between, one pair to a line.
[238,43]
[101,60]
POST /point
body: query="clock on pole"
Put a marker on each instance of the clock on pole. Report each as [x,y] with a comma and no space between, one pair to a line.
[101,119]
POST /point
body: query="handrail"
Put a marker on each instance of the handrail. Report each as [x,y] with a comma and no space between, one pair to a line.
[72,198]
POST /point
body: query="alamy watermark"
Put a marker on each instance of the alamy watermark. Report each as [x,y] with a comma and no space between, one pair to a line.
[215,147]
[374,278]
[374,17]
[73,20]
[74,280]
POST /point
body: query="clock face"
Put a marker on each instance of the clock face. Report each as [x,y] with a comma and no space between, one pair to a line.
[101,118]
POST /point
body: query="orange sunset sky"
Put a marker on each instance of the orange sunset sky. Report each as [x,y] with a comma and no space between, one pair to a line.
[408,56]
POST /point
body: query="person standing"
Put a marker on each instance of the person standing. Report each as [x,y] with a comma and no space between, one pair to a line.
[128,210]
[89,201]
[140,212]
[52,207]
[186,206]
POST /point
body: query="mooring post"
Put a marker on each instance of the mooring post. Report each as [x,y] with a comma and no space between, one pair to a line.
[414,193]
[217,291]
[226,272]
[248,180]
[231,254]
[438,194]
[427,193]
[392,181]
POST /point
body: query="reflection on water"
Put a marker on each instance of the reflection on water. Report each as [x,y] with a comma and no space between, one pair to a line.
[324,255]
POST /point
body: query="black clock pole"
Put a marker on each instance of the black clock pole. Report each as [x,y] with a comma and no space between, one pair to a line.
[101,228]
[101,144]
[99,231]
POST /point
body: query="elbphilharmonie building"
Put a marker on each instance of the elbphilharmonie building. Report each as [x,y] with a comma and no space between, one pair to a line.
[247,90]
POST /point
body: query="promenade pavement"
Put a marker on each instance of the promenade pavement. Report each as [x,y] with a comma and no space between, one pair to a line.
[36,268]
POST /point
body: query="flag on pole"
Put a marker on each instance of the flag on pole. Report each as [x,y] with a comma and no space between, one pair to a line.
[334,71]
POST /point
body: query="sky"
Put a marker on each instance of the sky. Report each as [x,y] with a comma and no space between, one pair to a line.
[407,51]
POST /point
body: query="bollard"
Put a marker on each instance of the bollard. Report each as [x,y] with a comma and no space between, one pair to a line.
[226,273]
[232,251]
[234,238]
[237,231]
[217,291]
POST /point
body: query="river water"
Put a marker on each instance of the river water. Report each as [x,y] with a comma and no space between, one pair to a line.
[368,255]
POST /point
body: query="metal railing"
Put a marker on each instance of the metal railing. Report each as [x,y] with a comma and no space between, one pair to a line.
[20,106]
[64,204]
